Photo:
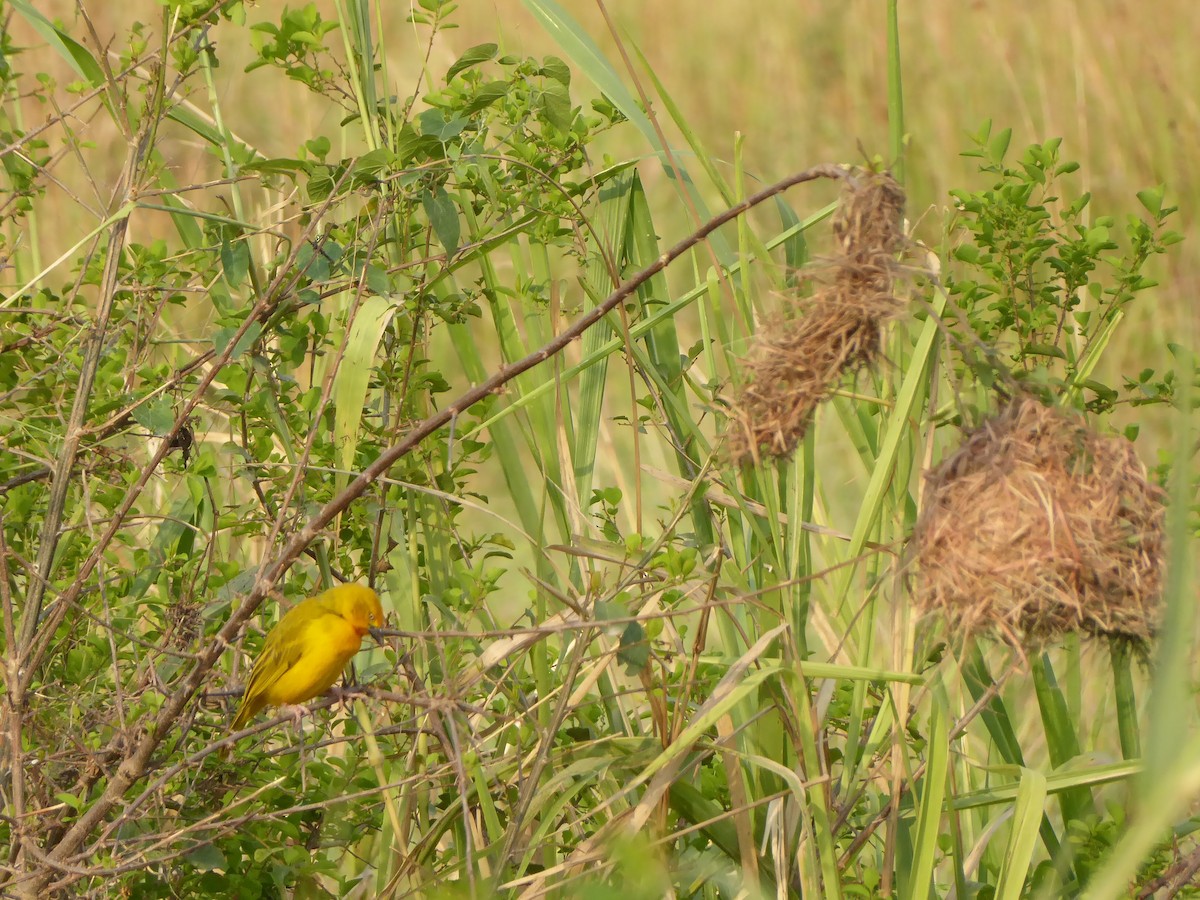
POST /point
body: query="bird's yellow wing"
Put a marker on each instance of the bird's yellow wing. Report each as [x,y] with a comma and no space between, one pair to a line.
[301,658]
[276,658]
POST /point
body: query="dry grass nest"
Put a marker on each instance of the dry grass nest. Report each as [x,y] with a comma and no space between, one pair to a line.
[800,355]
[1039,526]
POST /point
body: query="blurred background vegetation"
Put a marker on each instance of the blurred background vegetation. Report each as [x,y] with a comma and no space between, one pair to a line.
[805,83]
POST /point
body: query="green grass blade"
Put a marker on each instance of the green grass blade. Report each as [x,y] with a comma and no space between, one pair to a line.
[932,791]
[738,683]
[895,93]
[353,377]
[1027,817]
[898,431]
[995,716]
[898,427]
[663,360]
[1061,739]
[611,223]
[999,724]
[1121,656]
[1171,704]
[1056,783]
[75,54]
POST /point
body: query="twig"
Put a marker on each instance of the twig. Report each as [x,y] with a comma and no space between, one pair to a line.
[61,482]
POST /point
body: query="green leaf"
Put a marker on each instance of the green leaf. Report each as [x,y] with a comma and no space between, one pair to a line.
[480,53]
[204,130]
[411,146]
[157,416]
[634,649]
[207,858]
[235,261]
[373,164]
[1027,819]
[377,279]
[354,376]
[968,253]
[588,57]
[553,67]
[984,132]
[486,96]
[223,336]
[290,168]
[318,146]
[315,261]
[70,800]
[1152,198]
[434,124]
[319,186]
[556,105]
[443,216]
[998,146]
[1101,389]
[1043,350]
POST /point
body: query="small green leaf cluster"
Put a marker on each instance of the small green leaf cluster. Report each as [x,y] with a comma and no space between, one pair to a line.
[1041,281]
[297,45]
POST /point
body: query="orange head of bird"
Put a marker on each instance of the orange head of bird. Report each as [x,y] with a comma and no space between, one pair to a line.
[359,606]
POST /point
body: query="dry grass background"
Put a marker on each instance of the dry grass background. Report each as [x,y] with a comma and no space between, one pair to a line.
[804,83]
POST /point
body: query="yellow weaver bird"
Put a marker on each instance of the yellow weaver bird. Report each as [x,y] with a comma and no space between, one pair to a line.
[306,652]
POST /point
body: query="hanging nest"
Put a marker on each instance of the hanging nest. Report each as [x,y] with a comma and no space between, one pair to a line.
[1039,526]
[799,357]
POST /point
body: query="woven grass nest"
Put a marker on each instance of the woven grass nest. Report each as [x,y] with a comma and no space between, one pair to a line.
[1038,526]
[800,355]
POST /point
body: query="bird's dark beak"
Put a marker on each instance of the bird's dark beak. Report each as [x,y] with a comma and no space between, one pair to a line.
[377,634]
